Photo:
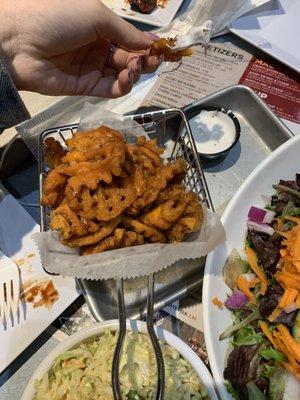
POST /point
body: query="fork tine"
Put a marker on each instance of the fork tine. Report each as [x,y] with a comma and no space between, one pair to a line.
[12,306]
[8,298]
[9,290]
[2,303]
[15,294]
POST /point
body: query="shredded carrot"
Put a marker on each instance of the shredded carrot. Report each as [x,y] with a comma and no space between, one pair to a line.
[298,301]
[279,224]
[287,265]
[291,218]
[290,254]
[264,327]
[292,369]
[289,296]
[284,234]
[282,347]
[289,341]
[243,285]
[254,282]
[217,302]
[288,280]
[275,314]
[252,260]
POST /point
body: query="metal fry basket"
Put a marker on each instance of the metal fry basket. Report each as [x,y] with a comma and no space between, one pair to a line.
[171,129]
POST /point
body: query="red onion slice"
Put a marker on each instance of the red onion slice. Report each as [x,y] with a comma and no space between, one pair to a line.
[261,215]
[260,227]
[237,300]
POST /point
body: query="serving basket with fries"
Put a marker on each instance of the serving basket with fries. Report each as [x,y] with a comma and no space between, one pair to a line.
[172,131]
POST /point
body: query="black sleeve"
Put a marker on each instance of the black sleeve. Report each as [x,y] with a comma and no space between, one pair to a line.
[12,108]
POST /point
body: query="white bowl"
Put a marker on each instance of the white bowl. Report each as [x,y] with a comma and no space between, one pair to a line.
[139,326]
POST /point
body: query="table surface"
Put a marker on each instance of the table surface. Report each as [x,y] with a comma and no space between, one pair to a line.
[23,185]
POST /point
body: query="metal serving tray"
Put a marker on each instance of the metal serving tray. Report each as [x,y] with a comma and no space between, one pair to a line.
[261,133]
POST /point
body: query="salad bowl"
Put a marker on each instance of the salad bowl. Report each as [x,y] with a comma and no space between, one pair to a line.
[283,163]
[87,334]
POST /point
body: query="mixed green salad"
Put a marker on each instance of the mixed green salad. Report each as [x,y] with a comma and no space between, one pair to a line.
[84,373]
[265,301]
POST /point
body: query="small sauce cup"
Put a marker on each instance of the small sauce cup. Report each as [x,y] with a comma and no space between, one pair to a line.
[216,130]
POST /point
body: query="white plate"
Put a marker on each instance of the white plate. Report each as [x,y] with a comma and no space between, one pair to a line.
[159,17]
[96,329]
[273,29]
[283,163]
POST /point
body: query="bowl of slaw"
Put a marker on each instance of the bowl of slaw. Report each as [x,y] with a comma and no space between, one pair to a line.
[88,337]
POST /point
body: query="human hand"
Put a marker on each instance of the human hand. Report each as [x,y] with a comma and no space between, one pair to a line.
[64,48]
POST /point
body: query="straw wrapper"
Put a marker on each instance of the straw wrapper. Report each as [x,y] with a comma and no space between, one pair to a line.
[127,262]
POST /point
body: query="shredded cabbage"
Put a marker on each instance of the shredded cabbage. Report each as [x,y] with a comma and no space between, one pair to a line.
[84,373]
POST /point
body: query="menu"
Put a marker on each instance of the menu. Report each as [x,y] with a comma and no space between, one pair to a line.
[278,85]
[220,66]
[206,72]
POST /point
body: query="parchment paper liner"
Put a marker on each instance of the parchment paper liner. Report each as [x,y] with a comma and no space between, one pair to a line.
[127,262]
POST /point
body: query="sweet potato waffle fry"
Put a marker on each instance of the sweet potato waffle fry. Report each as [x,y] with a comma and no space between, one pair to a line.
[165,47]
[107,194]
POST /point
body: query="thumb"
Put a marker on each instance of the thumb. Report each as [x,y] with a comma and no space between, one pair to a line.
[121,33]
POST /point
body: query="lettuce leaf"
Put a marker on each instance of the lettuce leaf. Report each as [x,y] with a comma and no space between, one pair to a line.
[241,366]
[233,268]
[243,323]
[269,371]
[270,300]
[267,248]
[272,354]
[277,384]
[231,390]
[254,393]
[247,336]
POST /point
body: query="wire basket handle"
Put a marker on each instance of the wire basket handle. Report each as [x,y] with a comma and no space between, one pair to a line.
[153,337]
[155,343]
[120,341]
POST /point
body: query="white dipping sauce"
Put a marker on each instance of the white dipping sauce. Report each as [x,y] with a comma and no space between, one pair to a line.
[213,131]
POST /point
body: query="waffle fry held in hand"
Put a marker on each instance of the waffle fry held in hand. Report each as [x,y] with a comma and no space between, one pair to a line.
[167,48]
[107,194]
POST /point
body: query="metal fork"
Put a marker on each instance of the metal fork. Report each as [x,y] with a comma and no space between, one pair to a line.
[153,337]
[9,289]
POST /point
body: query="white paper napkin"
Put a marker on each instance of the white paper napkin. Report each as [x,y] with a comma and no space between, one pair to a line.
[217,15]
[16,229]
